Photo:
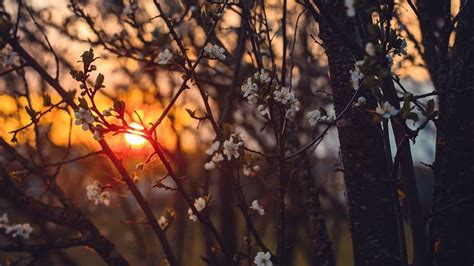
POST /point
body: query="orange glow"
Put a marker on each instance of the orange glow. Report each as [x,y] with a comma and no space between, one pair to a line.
[132,138]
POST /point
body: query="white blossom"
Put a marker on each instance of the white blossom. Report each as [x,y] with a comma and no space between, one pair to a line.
[163,222]
[262,76]
[313,117]
[247,171]
[215,52]
[350,8]
[257,207]
[97,194]
[199,204]
[263,259]
[15,230]
[210,165]
[232,147]
[214,147]
[386,110]
[249,87]
[327,118]
[370,49]
[104,197]
[356,74]
[165,57]
[252,98]
[217,157]
[191,215]
[84,117]
[284,96]
[361,101]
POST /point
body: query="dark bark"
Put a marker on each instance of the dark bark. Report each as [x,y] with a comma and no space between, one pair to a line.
[318,231]
[226,180]
[321,249]
[226,212]
[405,159]
[452,221]
[372,218]
[430,12]
[453,202]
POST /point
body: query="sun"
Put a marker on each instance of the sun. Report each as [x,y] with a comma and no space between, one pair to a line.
[132,138]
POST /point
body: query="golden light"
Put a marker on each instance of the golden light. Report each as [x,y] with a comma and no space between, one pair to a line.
[132,138]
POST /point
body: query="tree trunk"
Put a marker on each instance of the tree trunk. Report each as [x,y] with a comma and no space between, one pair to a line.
[318,231]
[372,218]
[453,193]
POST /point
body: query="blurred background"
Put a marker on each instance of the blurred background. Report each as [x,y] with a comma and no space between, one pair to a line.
[127,40]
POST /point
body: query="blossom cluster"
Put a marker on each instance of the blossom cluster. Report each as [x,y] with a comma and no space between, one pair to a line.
[165,57]
[316,116]
[231,148]
[200,204]
[216,156]
[365,70]
[97,194]
[249,170]
[214,51]
[263,259]
[166,219]
[258,89]
[287,97]
[250,88]
[84,118]
[15,230]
